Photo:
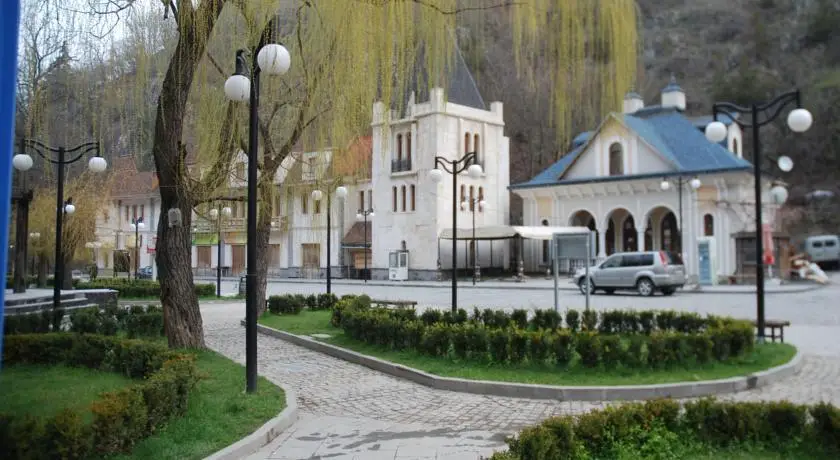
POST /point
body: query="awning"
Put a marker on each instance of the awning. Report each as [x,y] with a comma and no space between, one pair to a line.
[355,237]
[205,239]
[503,232]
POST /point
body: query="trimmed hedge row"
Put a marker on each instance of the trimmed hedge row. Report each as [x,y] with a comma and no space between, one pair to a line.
[33,279]
[637,428]
[135,321]
[140,288]
[119,418]
[606,322]
[292,304]
[399,330]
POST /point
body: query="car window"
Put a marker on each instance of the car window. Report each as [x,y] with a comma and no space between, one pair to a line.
[673,258]
[630,260]
[612,262]
[817,244]
[830,243]
[645,260]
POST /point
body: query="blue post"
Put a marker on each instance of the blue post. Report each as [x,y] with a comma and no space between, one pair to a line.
[9,16]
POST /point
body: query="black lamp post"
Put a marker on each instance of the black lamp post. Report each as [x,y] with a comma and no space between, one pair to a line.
[273,59]
[217,214]
[22,162]
[475,204]
[363,215]
[665,186]
[341,192]
[22,197]
[137,224]
[799,120]
[469,164]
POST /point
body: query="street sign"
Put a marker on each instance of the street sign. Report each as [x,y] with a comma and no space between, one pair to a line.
[577,245]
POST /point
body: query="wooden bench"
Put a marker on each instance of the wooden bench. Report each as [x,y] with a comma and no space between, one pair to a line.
[773,325]
[394,303]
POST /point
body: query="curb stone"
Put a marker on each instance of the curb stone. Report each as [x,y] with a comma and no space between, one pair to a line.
[552,392]
[264,434]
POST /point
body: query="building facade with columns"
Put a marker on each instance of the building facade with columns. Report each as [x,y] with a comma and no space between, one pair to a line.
[641,174]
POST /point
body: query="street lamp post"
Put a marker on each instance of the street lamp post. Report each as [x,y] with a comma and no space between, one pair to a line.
[479,204]
[341,192]
[466,163]
[137,224]
[23,162]
[695,184]
[22,200]
[363,215]
[799,120]
[217,214]
[273,59]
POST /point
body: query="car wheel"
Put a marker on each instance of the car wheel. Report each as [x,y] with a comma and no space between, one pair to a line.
[582,286]
[645,287]
[668,291]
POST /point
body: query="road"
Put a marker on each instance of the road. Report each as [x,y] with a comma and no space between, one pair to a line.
[351,412]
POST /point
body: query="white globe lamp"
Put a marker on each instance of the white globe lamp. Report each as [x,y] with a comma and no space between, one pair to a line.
[317,195]
[785,163]
[370,214]
[238,88]
[69,208]
[800,120]
[214,214]
[227,212]
[436,175]
[481,205]
[341,192]
[665,185]
[474,171]
[22,162]
[779,194]
[359,216]
[716,132]
[695,183]
[97,164]
[274,59]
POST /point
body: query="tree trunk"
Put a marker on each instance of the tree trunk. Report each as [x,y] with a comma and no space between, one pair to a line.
[182,316]
[263,235]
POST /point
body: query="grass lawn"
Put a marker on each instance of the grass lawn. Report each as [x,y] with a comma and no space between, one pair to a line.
[219,414]
[45,390]
[312,322]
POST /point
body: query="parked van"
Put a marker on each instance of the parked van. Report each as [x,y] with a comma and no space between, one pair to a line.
[823,249]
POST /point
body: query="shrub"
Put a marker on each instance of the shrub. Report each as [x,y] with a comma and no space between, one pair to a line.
[546,319]
[647,321]
[657,350]
[701,348]
[610,322]
[139,288]
[518,345]
[460,340]
[613,351]
[826,424]
[477,342]
[635,356]
[499,340]
[501,319]
[311,301]
[145,325]
[436,340]
[431,316]
[84,320]
[590,320]
[286,304]
[562,346]
[327,301]
[588,346]
[630,322]
[665,320]
[539,345]
[573,320]
[119,419]
[519,318]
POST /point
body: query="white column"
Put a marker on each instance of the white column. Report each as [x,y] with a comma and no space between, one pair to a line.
[640,237]
[602,243]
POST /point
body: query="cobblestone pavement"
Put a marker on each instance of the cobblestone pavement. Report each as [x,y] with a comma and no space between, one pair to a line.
[348,411]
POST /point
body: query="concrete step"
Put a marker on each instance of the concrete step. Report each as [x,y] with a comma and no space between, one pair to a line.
[47,304]
[37,299]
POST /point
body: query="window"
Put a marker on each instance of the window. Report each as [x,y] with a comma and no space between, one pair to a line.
[370,199]
[408,148]
[463,193]
[304,204]
[317,206]
[475,148]
[612,262]
[616,160]
[361,200]
[708,225]
[276,209]
[467,143]
[402,192]
[472,198]
[240,171]
[394,198]
[829,243]
[134,212]
[399,147]
[126,214]
[545,245]
[736,149]
[413,202]
[142,211]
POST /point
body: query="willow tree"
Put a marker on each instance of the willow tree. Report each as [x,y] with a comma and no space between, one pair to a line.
[345,55]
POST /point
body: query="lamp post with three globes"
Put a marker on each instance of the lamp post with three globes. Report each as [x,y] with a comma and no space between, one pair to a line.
[341,193]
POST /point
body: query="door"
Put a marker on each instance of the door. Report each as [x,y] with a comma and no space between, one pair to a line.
[705,260]
[204,256]
[607,274]
[237,256]
[311,260]
[630,266]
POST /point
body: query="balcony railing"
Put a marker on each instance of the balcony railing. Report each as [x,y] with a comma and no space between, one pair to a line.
[401,165]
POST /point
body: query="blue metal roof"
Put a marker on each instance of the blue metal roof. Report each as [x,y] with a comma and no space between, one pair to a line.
[673,135]
[581,139]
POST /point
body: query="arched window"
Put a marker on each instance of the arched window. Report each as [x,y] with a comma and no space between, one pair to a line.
[402,192]
[413,200]
[472,198]
[616,159]
[476,149]
[708,225]
[399,147]
[394,198]
[736,148]
[467,143]
[545,243]
[463,193]
[408,149]
[480,196]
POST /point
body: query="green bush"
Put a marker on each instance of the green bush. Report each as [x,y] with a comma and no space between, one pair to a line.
[826,424]
[326,301]
[499,342]
[126,287]
[519,318]
[539,346]
[614,352]
[562,345]
[120,418]
[647,321]
[431,316]
[286,304]
[519,339]
[573,320]
[589,348]
[589,318]
[546,319]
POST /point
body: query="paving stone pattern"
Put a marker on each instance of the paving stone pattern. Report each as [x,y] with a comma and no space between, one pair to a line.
[351,412]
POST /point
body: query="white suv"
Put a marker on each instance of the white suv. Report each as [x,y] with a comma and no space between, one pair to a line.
[644,272]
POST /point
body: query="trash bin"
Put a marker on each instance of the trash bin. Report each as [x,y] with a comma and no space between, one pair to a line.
[243,281]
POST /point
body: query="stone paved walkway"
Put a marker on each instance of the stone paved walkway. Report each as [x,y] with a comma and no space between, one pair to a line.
[351,412]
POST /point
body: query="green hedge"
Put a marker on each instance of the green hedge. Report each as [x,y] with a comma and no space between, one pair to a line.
[134,321]
[119,418]
[140,288]
[499,338]
[292,304]
[651,429]
[30,280]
